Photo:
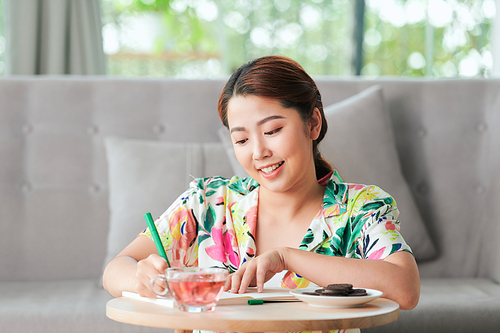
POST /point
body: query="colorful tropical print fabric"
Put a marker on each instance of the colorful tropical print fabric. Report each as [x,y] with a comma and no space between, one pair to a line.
[213,223]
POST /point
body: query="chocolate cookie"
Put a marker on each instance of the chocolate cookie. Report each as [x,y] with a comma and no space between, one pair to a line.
[338,289]
[334,293]
[358,292]
[339,286]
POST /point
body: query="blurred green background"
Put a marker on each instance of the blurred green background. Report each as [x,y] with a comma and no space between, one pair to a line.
[210,38]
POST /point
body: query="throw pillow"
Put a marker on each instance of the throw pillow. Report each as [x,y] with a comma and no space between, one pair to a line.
[360,144]
[147,176]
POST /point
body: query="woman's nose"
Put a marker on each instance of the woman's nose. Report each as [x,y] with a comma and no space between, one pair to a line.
[260,150]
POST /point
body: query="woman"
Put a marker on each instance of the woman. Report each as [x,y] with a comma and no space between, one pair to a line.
[294,216]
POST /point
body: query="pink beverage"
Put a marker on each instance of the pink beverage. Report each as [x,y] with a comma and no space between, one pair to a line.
[196,293]
[196,289]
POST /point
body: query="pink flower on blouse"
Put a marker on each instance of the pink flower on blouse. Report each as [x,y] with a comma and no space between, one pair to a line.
[376,255]
[184,233]
[356,187]
[220,201]
[389,225]
[183,228]
[251,219]
[223,248]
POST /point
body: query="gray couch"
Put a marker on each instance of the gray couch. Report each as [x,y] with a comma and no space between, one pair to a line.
[60,204]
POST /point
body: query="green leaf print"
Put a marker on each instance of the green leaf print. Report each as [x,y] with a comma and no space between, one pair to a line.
[210,193]
[215,184]
[208,218]
[328,201]
[309,237]
[243,185]
[335,241]
[238,187]
[201,183]
[325,248]
[395,247]
[372,206]
[346,240]
[202,238]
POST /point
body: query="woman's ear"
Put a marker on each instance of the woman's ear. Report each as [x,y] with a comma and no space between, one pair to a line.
[315,124]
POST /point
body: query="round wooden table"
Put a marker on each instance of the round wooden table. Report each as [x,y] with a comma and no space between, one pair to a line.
[240,317]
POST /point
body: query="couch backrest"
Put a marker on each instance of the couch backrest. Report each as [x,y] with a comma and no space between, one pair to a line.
[449,148]
[53,175]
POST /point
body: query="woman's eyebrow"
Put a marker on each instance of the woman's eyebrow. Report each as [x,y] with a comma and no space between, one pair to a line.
[237,129]
[259,123]
[265,120]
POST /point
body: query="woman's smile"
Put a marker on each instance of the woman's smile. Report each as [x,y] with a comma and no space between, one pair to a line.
[272,171]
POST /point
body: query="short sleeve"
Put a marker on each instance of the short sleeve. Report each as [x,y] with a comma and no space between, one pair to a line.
[178,229]
[376,219]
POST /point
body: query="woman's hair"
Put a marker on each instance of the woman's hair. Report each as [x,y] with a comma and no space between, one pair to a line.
[282,79]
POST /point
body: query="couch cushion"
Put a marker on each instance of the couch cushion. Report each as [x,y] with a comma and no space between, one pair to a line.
[147,176]
[451,305]
[360,143]
[58,306]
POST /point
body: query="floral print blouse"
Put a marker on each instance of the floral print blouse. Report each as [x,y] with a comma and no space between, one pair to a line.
[213,223]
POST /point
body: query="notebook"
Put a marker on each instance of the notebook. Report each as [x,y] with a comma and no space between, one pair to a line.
[274,294]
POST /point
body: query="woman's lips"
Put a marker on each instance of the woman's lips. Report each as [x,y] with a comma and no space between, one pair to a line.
[274,173]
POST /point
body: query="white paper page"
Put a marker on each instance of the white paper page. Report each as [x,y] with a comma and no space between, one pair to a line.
[164,301]
[267,293]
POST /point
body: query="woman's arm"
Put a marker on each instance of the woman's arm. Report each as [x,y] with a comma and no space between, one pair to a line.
[133,268]
[396,276]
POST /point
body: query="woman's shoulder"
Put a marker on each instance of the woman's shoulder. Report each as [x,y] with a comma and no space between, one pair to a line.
[364,198]
[348,192]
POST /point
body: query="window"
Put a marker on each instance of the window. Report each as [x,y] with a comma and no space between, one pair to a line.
[193,38]
[443,38]
[211,38]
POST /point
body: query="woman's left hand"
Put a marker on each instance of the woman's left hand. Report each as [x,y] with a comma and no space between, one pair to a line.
[257,271]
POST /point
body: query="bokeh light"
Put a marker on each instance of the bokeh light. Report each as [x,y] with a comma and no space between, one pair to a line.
[441,38]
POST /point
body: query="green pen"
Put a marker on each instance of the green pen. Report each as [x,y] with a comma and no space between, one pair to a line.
[156,237]
[262,301]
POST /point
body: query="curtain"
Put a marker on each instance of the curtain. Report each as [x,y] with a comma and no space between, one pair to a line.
[53,37]
[495,41]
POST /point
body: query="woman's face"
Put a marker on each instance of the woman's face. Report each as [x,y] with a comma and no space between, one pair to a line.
[271,142]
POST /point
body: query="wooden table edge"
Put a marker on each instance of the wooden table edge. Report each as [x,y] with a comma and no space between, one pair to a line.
[151,320]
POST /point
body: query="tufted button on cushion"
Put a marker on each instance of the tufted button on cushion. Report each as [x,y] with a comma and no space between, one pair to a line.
[422,189]
[481,127]
[479,189]
[93,130]
[94,188]
[159,129]
[27,129]
[26,188]
[421,132]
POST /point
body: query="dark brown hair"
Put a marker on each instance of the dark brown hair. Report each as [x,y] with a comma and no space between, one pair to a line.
[285,80]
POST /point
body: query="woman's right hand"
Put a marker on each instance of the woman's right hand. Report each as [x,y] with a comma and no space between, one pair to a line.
[133,268]
[148,269]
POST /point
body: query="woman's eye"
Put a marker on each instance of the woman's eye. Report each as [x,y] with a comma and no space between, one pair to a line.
[274,131]
[240,142]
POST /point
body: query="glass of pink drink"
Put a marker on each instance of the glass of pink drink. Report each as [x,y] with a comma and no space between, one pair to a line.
[196,289]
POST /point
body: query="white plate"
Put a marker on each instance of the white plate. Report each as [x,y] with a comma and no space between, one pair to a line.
[335,301]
